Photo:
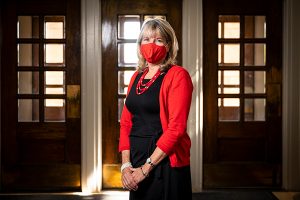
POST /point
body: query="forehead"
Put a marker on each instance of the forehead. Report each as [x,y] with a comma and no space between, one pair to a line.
[151,32]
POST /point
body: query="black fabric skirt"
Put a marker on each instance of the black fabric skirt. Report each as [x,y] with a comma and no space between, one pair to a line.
[164,182]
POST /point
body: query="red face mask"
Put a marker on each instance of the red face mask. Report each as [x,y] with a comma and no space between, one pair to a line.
[153,53]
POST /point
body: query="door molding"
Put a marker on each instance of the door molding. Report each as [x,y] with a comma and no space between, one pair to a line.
[91,76]
[291,96]
[192,51]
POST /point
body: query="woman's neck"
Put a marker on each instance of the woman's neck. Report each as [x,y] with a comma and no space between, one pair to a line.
[152,70]
[153,67]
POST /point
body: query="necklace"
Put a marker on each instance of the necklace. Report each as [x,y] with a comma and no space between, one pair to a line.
[141,87]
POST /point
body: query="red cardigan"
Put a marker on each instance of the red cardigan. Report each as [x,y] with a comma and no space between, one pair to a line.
[174,100]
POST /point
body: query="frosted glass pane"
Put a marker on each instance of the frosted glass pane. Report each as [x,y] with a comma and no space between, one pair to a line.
[28,27]
[255,26]
[229,109]
[127,54]
[54,110]
[228,81]
[231,53]
[54,27]
[255,54]
[231,77]
[231,102]
[231,30]
[28,55]
[55,91]
[123,81]
[229,26]
[54,78]
[54,102]
[255,109]
[255,82]
[28,82]
[54,30]
[28,110]
[227,90]
[129,26]
[219,30]
[54,54]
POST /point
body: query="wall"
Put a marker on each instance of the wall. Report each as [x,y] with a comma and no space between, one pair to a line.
[91,164]
[291,95]
[192,61]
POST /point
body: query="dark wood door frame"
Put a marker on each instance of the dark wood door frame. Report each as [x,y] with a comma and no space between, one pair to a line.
[272,155]
[15,134]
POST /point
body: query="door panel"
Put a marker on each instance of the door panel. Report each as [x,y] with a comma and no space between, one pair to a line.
[121,21]
[242,93]
[40,96]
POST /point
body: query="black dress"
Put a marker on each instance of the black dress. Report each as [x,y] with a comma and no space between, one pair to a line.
[164,182]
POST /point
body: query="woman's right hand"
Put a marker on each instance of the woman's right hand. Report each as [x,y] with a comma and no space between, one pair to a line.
[128,180]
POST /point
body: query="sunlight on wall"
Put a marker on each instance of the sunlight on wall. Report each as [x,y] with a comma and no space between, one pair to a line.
[93,182]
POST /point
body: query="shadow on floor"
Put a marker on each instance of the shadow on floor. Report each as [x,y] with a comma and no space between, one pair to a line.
[296,196]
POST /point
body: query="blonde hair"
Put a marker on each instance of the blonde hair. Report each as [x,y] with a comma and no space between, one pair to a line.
[162,27]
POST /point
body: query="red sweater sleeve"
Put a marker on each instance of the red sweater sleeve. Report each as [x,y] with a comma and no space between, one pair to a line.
[125,128]
[178,101]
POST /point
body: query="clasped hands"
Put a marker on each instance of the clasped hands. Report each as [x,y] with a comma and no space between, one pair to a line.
[131,177]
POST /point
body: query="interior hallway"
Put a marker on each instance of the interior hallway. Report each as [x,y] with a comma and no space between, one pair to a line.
[291,122]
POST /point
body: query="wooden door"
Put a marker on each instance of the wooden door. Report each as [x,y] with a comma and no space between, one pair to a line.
[242,93]
[40,95]
[121,21]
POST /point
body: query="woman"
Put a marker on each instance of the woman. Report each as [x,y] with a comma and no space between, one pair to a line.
[153,139]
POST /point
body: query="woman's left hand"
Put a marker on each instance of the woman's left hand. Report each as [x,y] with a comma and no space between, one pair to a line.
[138,175]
